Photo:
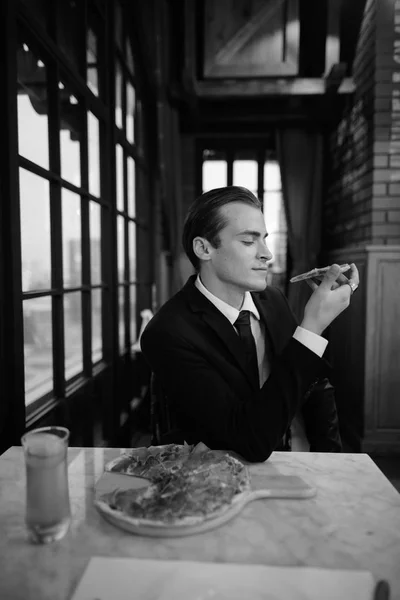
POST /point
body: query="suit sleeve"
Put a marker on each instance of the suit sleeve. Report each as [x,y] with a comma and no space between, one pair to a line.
[208,405]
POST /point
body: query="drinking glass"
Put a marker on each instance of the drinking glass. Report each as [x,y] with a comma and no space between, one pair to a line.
[48,512]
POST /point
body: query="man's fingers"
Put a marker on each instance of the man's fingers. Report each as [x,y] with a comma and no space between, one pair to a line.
[342,279]
[354,275]
[330,276]
[312,284]
[352,280]
[334,279]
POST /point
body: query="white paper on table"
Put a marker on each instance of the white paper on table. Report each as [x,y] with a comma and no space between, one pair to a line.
[142,579]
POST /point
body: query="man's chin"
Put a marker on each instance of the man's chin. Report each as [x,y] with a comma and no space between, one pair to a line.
[259,285]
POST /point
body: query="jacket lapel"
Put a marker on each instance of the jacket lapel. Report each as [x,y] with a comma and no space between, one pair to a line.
[218,323]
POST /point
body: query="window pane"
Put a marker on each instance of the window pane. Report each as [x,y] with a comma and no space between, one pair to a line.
[273,211]
[94,154]
[121,318]
[133,328]
[245,174]
[215,174]
[119,157]
[132,250]
[131,187]
[33,138]
[130,112]
[118,94]
[95,241]
[37,348]
[272,176]
[70,135]
[72,238]
[275,223]
[121,248]
[35,231]
[97,344]
[92,77]
[73,334]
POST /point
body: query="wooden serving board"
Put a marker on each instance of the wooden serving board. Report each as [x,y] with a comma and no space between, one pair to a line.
[279,486]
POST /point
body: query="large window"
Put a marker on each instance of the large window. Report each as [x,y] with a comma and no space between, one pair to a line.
[258,171]
[128,170]
[69,205]
[60,206]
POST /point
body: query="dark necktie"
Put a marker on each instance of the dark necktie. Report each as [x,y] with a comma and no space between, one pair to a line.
[242,325]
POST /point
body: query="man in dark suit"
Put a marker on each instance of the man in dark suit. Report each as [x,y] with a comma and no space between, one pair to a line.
[226,348]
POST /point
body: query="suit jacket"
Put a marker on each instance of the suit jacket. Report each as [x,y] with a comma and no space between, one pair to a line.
[197,356]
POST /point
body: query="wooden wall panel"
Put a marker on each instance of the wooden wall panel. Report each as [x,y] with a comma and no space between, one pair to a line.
[364,351]
[382,398]
[251,39]
[388,287]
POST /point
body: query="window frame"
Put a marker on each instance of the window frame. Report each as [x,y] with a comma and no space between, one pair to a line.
[60,69]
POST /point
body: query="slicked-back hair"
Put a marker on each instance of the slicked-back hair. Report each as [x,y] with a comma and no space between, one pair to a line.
[204,218]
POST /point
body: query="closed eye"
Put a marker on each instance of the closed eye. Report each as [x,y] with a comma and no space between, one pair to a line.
[246,243]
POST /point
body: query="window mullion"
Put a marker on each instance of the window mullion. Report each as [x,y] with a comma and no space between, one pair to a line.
[56,233]
[230,158]
[86,292]
[260,182]
[85,249]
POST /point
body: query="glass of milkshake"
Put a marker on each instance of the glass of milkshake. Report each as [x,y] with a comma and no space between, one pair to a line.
[48,512]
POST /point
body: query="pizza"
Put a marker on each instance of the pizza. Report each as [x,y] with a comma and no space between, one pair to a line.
[186,488]
[317,273]
[151,463]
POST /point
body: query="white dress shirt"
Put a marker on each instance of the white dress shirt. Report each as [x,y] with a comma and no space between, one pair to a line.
[312,341]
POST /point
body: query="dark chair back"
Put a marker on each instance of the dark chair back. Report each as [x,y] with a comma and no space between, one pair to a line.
[164,429]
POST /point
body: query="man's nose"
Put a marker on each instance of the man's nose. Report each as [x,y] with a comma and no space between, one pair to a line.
[264,252]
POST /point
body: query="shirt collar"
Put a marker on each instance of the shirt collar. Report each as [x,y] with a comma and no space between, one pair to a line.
[227,310]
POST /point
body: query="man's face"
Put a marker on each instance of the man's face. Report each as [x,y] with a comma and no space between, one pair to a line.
[240,261]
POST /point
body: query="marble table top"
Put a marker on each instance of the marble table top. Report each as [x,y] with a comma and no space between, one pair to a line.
[352,523]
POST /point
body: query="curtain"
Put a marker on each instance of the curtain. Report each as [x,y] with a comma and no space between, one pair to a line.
[300,155]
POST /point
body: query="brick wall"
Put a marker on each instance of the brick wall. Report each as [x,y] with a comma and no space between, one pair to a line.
[363,165]
[349,162]
[386,149]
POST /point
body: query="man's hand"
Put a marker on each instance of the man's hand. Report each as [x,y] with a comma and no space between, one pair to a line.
[329,299]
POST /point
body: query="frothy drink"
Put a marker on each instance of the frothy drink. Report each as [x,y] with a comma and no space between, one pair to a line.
[48,507]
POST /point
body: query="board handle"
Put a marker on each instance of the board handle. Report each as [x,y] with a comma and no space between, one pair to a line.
[308,492]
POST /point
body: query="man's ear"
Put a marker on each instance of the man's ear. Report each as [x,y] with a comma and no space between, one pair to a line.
[202,248]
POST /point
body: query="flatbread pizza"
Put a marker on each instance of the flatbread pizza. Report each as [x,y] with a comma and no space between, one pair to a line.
[317,273]
[151,463]
[186,489]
